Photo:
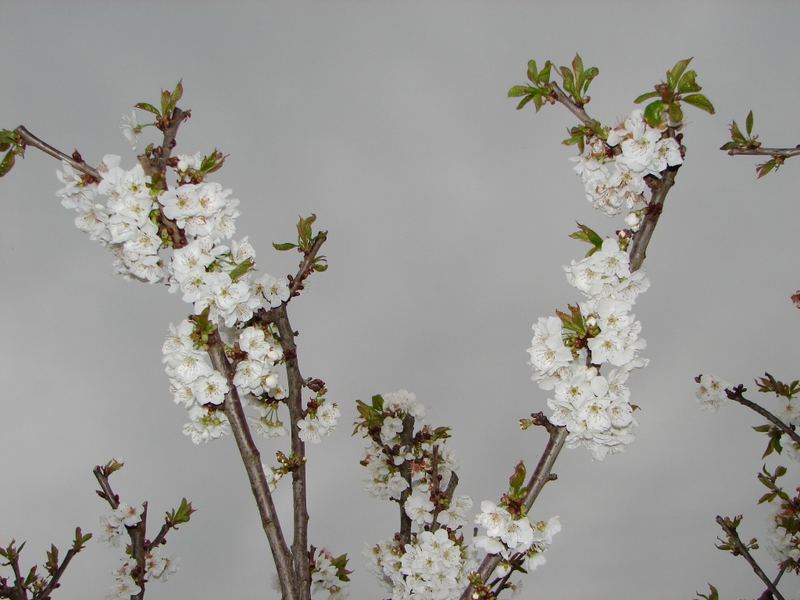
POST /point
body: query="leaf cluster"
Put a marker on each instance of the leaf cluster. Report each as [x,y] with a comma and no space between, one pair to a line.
[768,384]
[169,100]
[770,481]
[575,81]
[588,235]
[306,238]
[12,145]
[681,86]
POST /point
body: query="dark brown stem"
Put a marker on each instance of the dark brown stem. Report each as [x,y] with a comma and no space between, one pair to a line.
[558,435]
[251,458]
[406,441]
[733,536]
[578,111]
[155,165]
[31,140]
[641,240]
[777,152]
[19,580]
[137,534]
[294,401]
[53,583]
[736,395]
[108,493]
[305,267]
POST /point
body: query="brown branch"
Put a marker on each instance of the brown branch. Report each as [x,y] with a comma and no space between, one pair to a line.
[540,477]
[294,401]
[31,140]
[776,152]
[733,536]
[736,394]
[54,579]
[108,494]
[305,267]
[251,458]
[155,165]
[19,581]
[406,441]
[560,96]
[641,240]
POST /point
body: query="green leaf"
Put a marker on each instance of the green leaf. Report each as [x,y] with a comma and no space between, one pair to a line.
[182,514]
[586,234]
[675,114]
[761,169]
[736,134]
[147,107]
[517,479]
[700,101]
[577,66]
[283,247]
[569,81]
[7,163]
[239,270]
[588,76]
[544,74]
[749,123]
[377,402]
[688,84]
[520,90]
[525,100]
[646,96]
[675,73]
[652,113]
[177,94]
[533,72]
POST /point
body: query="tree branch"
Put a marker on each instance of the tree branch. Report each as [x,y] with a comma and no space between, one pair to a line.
[779,152]
[736,394]
[407,440]
[560,96]
[54,579]
[305,267]
[641,239]
[733,536]
[251,459]
[31,140]
[294,401]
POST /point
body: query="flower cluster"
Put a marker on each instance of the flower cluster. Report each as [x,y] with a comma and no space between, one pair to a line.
[416,470]
[613,170]
[432,566]
[124,223]
[783,542]
[509,533]
[567,352]
[329,573]
[157,567]
[711,392]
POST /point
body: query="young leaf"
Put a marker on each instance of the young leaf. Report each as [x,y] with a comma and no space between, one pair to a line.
[675,73]
[148,107]
[544,74]
[749,123]
[700,101]
[645,96]
[652,113]
[283,247]
[520,90]
[7,163]
[688,84]
[533,73]
[527,99]
[761,169]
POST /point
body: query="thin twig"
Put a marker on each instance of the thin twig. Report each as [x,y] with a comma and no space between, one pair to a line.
[736,394]
[406,441]
[251,459]
[31,140]
[294,402]
[778,152]
[733,536]
[54,579]
[641,240]
[578,111]
[305,267]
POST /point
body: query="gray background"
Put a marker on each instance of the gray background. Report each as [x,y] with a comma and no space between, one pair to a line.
[448,215]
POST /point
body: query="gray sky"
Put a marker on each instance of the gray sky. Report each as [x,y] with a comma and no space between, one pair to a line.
[448,214]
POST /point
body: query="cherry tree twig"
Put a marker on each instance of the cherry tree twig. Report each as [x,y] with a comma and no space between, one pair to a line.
[778,152]
[638,248]
[734,538]
[736,394]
